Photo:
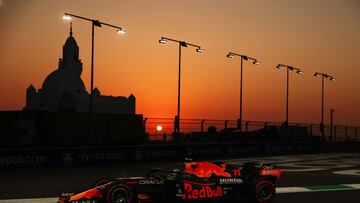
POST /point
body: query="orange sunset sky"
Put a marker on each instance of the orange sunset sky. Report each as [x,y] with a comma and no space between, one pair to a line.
[314,35]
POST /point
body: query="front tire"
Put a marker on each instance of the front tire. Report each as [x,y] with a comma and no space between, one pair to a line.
[118,194]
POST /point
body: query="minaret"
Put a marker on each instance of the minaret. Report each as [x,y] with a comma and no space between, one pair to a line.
[70,58]
[31,96]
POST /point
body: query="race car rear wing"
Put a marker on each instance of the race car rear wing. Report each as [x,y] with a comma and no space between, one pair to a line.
[260,169]
[271,172]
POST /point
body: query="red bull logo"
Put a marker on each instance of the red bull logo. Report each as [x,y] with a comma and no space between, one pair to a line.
[206,169]
[202,192]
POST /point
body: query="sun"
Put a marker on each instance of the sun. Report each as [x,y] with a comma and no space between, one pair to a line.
[159,128]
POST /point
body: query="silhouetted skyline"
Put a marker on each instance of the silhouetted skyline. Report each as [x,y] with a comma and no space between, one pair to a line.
[320,36]
[64,90]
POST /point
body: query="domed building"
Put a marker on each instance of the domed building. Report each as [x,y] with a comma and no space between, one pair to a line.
[64,90]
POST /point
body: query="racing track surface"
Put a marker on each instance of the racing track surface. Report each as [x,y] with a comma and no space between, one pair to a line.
[305,178]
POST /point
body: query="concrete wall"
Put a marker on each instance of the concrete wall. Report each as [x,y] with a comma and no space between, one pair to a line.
[46,129]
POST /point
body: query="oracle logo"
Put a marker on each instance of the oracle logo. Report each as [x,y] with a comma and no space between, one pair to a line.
[151,182]
[204,192]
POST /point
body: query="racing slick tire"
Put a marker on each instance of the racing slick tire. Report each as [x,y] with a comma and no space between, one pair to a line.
[262,191]
[118,193]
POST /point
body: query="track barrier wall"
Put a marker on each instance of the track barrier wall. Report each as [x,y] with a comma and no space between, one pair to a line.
[72,157]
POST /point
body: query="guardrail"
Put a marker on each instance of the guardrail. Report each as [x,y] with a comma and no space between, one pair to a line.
[79,156]
[335,133]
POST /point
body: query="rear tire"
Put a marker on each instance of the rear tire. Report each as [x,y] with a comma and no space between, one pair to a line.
[262,191]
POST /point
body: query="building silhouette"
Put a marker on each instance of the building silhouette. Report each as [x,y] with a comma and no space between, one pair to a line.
[64,90]
[57,115]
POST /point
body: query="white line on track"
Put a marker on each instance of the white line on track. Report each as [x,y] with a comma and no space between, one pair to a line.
[357,186]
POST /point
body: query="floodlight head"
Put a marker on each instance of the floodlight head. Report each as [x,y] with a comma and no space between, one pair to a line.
[66,17]
[317,74]
[200,50]
[279,66]
[121,31]
[332,79]
[300,72]
[163,41]
[256,62]
[230,55]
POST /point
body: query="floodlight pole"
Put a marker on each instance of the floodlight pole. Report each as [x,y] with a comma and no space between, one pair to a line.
[239,124]
[177,118]
[93,24]
[164,40]
[92,69]
[331,78]
[322,108]
[242,58]
[287,97]
[288,68]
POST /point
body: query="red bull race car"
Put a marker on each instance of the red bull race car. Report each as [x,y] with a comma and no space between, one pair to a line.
[195,182]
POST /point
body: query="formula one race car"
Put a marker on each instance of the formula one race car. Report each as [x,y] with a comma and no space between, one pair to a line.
[196,182]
